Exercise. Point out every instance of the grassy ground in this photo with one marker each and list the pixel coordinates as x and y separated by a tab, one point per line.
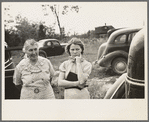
99	81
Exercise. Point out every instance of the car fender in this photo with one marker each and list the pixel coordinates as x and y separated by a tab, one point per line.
42	51
118	88
106	60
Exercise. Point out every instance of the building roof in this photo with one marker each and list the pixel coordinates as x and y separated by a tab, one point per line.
103	29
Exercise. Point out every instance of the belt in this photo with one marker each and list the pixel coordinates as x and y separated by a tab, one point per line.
76	87
36	90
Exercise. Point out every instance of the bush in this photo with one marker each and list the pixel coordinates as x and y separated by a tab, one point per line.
99	87
12	38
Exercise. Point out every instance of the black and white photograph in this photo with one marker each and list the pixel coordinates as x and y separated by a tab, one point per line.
74	61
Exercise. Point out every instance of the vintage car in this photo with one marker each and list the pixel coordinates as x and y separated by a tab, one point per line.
50	47
131	84
114	53
47	48
11	92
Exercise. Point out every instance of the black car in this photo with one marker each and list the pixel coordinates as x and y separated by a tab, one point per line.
50	47
114	53
11	92
131	84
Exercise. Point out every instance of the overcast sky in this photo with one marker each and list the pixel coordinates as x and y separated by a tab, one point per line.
91	14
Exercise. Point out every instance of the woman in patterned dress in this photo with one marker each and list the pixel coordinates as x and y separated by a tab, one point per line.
32	75
75	72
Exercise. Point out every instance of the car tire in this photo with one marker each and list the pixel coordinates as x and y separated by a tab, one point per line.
42	54
119	65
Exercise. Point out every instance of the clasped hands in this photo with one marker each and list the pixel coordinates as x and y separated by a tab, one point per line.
81	85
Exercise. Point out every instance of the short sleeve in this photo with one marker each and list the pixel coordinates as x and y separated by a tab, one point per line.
87	68
62	67
17	76
51	69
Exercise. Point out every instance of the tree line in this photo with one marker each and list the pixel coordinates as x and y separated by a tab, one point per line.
24	29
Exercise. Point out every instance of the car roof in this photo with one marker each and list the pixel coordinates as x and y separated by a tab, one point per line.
44	40
122	31
112	30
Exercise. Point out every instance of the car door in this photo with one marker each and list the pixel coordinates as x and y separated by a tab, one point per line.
49	49
119	43
57	47
122	42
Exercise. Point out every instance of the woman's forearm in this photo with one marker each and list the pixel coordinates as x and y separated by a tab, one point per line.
65	83
81	77
56	73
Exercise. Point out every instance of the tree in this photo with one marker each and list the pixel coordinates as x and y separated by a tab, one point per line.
27	30
50	32
65	10
12	38
41	32
7	16
88	33
21	29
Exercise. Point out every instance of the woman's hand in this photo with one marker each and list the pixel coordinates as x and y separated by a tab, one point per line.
56	73
81	86
78	59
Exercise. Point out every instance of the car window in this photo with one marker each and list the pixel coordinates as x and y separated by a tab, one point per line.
48	43
55	43
131	35
121	39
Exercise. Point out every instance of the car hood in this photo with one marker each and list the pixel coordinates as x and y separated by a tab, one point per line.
64	44
40	45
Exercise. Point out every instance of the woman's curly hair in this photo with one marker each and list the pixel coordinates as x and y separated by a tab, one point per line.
75	41
29	42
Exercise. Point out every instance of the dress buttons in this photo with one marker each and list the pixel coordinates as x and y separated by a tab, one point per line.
36	90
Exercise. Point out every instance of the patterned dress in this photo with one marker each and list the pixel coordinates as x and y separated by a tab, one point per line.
70	66
35	79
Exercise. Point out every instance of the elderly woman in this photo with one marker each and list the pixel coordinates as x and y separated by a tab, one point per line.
33	74
75	72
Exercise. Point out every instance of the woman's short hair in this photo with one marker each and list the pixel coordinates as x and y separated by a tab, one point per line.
75	41
29	42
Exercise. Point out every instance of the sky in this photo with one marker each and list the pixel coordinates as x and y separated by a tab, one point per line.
91	14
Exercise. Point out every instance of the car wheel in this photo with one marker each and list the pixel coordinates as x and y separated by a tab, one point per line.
119	65
42	54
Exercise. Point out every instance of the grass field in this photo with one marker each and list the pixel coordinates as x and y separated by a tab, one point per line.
99	81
